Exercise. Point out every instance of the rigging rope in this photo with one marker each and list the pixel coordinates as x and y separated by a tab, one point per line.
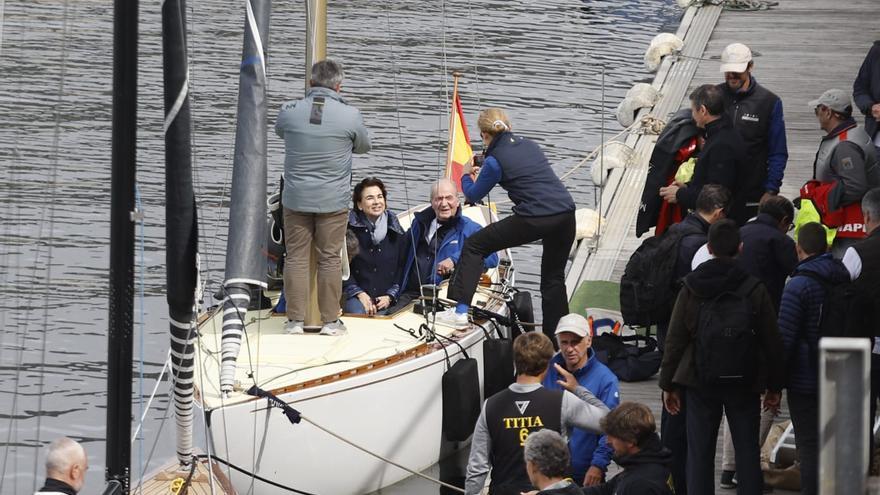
51	206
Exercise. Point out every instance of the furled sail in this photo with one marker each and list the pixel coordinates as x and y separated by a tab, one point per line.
181	224
247	210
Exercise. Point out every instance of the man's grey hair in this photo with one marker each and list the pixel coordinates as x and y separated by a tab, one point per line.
548	453
436	186
871	204
326	74
63	453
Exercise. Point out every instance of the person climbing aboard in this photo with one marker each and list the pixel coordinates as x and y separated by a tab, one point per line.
543	209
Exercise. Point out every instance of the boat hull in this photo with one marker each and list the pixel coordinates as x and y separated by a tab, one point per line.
394	412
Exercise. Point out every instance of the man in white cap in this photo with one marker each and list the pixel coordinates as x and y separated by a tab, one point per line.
66	466
590	452
756	113
845	166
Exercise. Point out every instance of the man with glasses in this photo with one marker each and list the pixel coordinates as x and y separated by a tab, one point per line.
590	452
756	114
845	169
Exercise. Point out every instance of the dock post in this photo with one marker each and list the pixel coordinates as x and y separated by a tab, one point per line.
844	388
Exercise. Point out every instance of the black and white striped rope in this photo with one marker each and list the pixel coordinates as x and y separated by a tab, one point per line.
183	370
235	306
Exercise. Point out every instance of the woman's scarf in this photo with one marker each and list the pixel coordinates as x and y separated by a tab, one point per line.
378	230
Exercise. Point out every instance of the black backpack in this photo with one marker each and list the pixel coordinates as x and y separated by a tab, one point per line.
626	358
838	309
726	343
648	287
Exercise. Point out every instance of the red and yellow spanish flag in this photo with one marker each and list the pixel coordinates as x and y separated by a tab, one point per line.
459	150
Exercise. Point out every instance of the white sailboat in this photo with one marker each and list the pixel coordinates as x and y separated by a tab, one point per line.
370	400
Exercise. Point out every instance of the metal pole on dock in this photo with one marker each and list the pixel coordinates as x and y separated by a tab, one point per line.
844	388
316	35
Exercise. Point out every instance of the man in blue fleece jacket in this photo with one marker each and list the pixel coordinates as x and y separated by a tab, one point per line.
590	452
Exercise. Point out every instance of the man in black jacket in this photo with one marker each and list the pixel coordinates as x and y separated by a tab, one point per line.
866	93
722	159
711	205
66	466
722	347
630	429
547	460
768	252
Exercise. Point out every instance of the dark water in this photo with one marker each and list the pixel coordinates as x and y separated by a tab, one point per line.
540	60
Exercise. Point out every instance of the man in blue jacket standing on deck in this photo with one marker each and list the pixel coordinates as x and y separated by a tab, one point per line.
756	114
590	452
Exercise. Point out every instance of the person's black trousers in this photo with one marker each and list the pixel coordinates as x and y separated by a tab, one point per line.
557	233
804	409
743	410
673	436
872	411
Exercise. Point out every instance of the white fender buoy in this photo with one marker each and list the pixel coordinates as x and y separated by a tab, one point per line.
663	44
642	95
616	155
587	223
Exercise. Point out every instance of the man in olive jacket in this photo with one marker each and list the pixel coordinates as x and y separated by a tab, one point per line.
708	292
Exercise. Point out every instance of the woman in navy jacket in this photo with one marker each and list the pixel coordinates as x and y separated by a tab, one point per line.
542	209
372	285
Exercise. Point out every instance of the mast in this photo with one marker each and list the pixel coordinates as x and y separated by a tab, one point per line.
316	35
122	218
245	267
181	223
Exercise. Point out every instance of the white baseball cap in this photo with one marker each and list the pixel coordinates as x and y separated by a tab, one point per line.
735	58
573	323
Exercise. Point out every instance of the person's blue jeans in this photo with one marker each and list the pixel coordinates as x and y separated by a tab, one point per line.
353	306
743	410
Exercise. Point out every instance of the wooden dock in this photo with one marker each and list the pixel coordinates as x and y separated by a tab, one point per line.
800	48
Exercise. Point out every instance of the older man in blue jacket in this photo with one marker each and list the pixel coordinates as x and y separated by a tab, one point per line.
590	452
432	246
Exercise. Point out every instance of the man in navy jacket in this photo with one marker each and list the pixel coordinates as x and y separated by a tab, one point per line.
590	452
799	315
866	93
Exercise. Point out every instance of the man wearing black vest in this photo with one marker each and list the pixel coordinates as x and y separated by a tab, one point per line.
756	114
863	263
509	416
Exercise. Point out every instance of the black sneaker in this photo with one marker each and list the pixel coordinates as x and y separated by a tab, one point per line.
727	479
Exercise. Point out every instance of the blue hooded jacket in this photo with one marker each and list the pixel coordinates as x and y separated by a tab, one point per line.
588	449
799	320
450	246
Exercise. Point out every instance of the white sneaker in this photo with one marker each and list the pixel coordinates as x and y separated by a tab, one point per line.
333	328
450	318
293	327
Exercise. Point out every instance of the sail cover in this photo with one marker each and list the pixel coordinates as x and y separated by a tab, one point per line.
181	225
246	244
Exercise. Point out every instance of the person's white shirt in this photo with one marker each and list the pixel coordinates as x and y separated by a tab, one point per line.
701	256
853	263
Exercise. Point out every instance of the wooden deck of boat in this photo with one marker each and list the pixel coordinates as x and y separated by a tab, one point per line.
168	480
801	48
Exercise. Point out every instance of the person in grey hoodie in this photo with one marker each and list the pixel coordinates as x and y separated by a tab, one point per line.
320	132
